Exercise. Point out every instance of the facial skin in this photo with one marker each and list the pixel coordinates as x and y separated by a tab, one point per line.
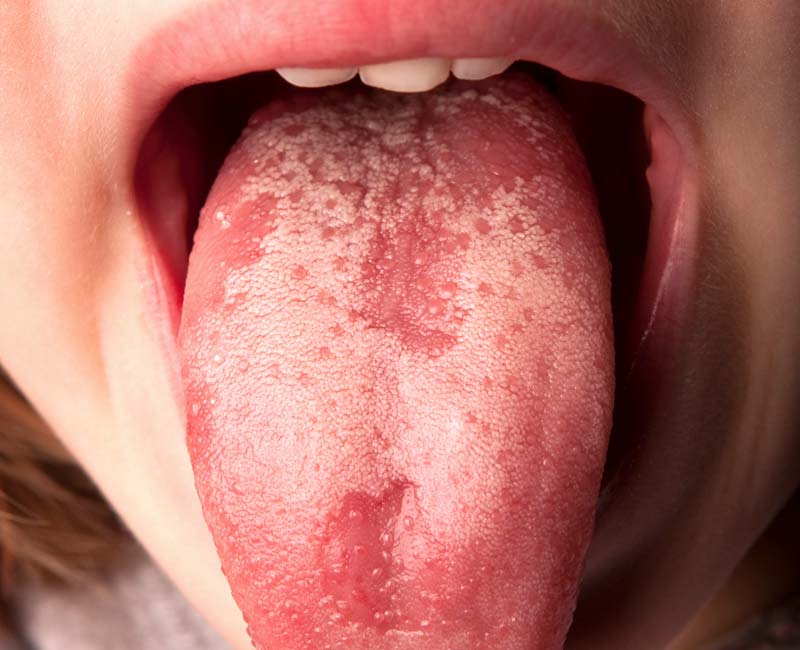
77	337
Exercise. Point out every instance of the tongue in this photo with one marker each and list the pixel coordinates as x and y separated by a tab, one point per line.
398	369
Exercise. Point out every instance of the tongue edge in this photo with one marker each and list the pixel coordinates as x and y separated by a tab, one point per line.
224	432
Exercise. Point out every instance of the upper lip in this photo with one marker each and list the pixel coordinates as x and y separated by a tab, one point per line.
226	38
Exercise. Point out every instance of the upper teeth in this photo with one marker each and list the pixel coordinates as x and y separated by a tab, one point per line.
308	78
412	75
480	68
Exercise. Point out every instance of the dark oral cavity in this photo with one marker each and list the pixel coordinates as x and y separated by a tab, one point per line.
398	367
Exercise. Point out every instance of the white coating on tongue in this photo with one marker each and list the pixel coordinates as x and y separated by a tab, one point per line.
363	205
397	357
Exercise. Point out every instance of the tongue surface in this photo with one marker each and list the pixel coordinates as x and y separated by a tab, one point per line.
398	369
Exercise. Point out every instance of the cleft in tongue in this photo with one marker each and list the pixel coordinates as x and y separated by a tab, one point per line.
397	357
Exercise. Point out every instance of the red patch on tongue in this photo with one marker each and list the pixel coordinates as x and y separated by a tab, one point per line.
397	357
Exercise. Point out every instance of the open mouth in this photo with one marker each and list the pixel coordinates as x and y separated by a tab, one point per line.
638	174
183	152
192	136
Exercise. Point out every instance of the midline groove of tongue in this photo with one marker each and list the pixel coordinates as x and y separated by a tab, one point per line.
398	368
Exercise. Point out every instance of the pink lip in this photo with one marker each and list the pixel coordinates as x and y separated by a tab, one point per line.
222	39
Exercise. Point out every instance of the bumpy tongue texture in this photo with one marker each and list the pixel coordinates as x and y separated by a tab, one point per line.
398	369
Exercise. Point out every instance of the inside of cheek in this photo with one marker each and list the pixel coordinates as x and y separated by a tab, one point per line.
185	148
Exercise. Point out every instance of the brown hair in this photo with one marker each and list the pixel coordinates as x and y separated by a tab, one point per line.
54	524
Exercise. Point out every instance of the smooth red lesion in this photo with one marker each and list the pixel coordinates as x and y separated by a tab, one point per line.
360	569
294	129
516	225
482	226
447	290
463	240
485	289
326	298
348	188
409	284
435	306
299	272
